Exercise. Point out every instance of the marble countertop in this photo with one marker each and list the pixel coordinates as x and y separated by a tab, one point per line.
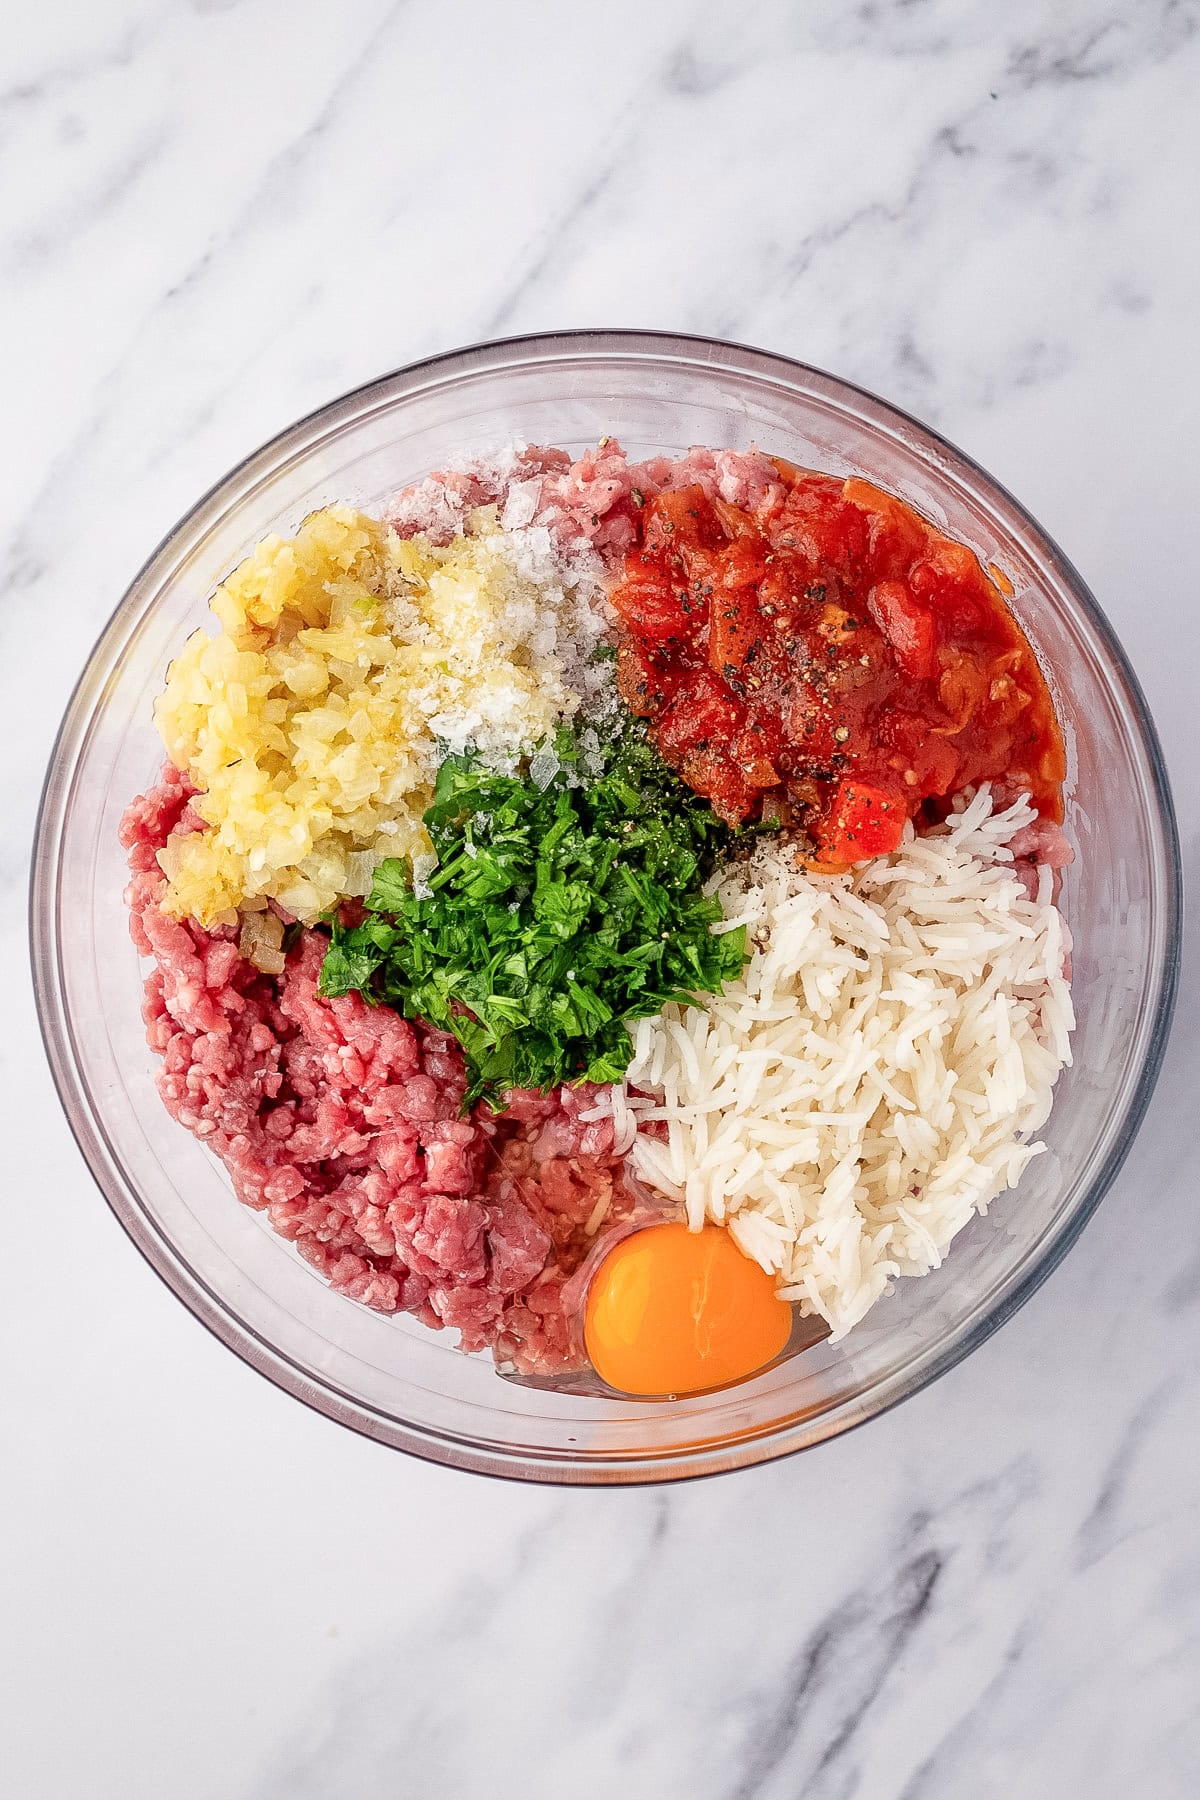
215	216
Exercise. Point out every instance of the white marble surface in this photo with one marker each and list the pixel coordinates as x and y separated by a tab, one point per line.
213	217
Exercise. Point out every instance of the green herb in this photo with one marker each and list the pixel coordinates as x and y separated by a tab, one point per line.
561	907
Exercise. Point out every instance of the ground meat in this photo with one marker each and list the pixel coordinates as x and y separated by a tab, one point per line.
343	1124
1042	845
594	500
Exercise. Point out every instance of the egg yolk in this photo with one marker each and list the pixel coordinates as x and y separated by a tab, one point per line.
673	1311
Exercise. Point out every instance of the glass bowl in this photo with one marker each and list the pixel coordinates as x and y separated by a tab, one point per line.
393	1379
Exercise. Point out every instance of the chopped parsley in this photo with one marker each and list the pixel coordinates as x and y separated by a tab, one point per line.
561	907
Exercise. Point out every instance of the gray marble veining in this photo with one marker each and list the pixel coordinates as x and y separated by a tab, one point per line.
214	216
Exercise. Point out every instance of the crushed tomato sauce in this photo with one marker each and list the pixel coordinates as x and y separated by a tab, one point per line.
832	660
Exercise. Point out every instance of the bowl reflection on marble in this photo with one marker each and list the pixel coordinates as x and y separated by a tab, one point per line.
391	1378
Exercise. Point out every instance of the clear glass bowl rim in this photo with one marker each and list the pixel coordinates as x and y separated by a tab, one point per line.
56	1027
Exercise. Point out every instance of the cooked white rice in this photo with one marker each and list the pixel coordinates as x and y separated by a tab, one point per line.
876	1076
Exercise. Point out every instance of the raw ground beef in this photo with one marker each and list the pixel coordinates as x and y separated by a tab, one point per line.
1042	845
342	1123
594	500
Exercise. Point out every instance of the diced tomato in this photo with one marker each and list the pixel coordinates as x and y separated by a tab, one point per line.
962	689
711	773
735	523
936	767
753	743
810	487
862	821
953	562
949	580
734	627
639	682
682	516
811	726
903	731
897	534
779	594
760	772
749	751
700	715
1006	698
908	627
842	653
735	564
921	759
835	624
818	524
651	607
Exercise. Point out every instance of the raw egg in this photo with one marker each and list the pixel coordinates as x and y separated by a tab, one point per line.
673	1311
